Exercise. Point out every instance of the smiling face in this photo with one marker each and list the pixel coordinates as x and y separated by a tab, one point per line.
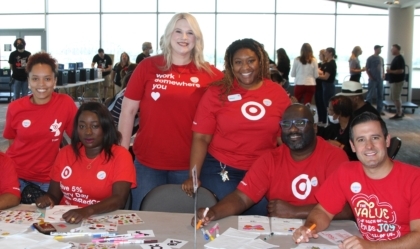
246	68
182	38
298	138
42	81
89	130
370	144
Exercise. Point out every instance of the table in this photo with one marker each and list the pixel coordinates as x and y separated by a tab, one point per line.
177	226
86	85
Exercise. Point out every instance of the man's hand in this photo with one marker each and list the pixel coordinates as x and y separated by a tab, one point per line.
282	209
355	242
302	234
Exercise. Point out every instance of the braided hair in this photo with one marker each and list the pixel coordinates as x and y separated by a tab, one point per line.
226	83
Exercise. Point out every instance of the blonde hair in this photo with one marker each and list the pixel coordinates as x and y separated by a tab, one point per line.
197	52
355	53
322	52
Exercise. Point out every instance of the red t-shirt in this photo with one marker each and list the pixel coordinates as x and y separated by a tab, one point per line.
278	176
244	125
84	187
37	131
383	208
9	181
168	101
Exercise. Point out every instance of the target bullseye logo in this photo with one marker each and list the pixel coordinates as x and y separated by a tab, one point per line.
301	186
253	110
66	173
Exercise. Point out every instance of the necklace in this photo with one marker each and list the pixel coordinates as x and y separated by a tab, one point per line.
89	166
179	73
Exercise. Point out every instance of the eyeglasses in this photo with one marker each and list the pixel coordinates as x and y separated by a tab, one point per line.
299	123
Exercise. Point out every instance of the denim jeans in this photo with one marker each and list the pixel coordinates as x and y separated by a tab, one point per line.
328	91
20	89
148	178
210	178
376	87
44	186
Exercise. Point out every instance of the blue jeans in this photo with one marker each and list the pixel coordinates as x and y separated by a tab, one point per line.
148	178
376	86
20	87
42	185
210	178
328	91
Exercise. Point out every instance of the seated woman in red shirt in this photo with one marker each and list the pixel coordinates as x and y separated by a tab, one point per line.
236	121
9	186
94	172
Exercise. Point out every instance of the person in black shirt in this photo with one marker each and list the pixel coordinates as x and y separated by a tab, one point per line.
354	91
147	50
283	66
17	61
105	65
328	73
396	79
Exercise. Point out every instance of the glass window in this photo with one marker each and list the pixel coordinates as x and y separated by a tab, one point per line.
417	12
348	8
187	6
305	6
416	53
117	38
292	37
262	6
348	37
22	21
129	6
74	6
206	22
81	33
249	26
22	6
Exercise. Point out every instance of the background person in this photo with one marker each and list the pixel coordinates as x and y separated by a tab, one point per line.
147	51
319	91
305	71
396	80
375	71
354	64
227	135
283	66
116	71
166	88
9	184
104	63
93	166
33	141
327	75
18	60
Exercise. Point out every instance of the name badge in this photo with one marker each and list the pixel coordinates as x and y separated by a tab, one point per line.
234	97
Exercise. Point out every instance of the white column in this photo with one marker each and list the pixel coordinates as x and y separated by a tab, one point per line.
401	29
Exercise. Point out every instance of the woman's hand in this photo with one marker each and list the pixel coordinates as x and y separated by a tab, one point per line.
45	201
188	186
75	216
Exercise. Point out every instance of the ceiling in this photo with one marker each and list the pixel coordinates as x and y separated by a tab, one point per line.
381	4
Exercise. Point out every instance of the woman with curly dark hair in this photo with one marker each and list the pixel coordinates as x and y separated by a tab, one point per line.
35	124
237	120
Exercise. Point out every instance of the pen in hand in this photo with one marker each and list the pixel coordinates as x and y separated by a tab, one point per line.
202	219
307	232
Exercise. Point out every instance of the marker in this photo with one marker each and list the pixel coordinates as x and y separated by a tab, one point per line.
206	237
307	231
213	229
110	240
217	232
268	236
99	234
201	221
123	236
209	234
117	238
140	241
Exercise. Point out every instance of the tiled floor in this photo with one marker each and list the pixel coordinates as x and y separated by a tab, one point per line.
408	129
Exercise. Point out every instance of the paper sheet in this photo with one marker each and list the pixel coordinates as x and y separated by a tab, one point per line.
314	246
254	223
11	229
234	239
281	226
93	246
19	217
175	243
145	233
155	245
335	236
32	240
54	215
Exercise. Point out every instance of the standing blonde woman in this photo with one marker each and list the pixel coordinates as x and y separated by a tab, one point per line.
167	89
116	71
305	71
354	64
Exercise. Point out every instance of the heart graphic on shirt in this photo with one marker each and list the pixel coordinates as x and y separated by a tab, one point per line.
155	95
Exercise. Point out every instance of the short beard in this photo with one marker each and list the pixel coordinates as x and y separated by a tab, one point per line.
307	139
